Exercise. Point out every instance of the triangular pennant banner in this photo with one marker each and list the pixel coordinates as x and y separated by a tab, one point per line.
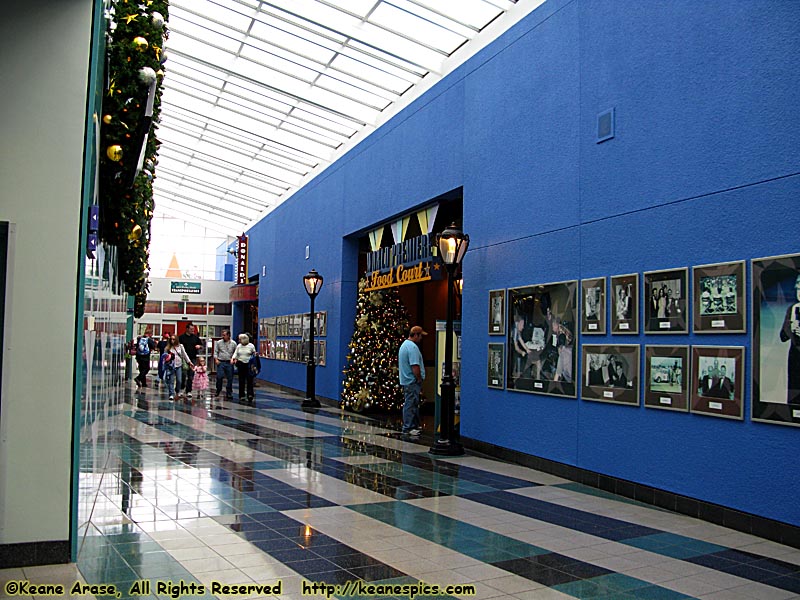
375	238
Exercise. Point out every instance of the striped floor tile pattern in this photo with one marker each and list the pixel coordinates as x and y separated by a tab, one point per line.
218	492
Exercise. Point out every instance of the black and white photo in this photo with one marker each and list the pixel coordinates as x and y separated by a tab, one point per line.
497	312
665	301
776	340
717	373
496	365
719	300
593	317
625	304
542	339
611	373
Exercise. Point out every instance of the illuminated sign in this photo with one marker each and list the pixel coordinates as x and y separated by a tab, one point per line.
411	251
401	275
241	259
410	261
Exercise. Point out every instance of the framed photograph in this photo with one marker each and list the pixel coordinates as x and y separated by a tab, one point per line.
321	347
776	340
666	377
496	366
497	312
297	325
719	300
611	373
718	381
321	324
665	304
593	300
625	304
542	339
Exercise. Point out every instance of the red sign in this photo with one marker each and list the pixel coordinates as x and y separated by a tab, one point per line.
241	259
243	293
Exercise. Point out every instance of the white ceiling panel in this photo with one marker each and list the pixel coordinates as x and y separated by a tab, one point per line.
260	95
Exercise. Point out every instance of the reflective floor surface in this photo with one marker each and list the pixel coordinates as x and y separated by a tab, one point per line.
218	494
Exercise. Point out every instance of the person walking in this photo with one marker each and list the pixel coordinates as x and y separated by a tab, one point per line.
161	347
144	345
223	353
243	355
412	374
173	365
200	378
192	344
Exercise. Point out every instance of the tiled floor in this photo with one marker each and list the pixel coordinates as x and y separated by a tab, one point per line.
243	495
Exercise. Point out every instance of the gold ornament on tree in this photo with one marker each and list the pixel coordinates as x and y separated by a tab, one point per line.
114	152
363	322
107	119
135	233
140	43
376	299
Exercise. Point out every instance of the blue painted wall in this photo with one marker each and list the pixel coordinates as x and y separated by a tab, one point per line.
704	168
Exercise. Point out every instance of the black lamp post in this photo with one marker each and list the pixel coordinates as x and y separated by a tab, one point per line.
452	243
313	284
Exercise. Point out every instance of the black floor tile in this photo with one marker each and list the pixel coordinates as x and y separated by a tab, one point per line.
376	572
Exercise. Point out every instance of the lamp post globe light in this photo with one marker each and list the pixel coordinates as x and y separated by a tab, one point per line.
452	244
313	284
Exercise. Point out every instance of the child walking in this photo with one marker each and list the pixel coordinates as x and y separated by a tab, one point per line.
201	377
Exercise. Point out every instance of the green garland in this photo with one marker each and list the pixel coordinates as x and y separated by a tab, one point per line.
135	53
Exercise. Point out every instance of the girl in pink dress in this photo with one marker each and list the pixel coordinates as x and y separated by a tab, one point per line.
200	382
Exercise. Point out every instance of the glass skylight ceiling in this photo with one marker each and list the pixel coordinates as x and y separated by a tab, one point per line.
260	96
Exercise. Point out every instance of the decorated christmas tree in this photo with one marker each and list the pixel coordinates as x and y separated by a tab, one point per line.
128	152
372	379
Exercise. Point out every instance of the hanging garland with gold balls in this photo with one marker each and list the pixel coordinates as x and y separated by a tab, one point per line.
372	379
135	59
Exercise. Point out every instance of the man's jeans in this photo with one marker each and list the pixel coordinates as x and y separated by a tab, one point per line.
188	377
411	406
225	370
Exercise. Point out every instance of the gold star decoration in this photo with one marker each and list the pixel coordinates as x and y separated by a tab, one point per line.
157	50
112	88
130	18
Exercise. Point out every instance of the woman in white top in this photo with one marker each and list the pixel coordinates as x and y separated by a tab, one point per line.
173	366
242	355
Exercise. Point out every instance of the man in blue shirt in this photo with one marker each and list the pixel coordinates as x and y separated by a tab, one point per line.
412	374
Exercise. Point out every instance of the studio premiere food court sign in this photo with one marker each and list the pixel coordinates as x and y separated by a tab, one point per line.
407	262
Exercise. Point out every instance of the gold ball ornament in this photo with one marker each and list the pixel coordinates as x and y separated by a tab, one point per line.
107	119
135	233
140	43
114	152
159	73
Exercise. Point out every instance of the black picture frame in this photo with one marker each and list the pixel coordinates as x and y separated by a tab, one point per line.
775	340
497	312
495	369
718	381
611	373
624	301
667	373
321	323
719	301
593	302
666	301
542	339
